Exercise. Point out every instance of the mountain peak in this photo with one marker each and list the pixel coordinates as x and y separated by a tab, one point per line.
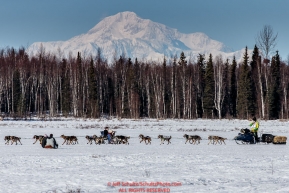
117	21
125	15
126	33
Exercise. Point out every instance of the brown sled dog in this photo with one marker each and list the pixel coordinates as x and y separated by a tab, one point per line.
69	139
165	138
15	139
146	139
7	139
89	139
221	140
193	139
212	139
38	138
122	139
216	139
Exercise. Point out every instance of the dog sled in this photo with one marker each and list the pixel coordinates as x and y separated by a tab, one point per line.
105	138
246	137
115	139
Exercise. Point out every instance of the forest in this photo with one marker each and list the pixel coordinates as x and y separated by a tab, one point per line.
47	85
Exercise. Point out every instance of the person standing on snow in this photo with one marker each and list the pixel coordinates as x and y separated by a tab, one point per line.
254	128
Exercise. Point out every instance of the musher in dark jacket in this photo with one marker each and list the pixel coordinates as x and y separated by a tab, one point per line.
49	142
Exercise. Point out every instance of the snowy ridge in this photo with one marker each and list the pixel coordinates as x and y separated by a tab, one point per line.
126	33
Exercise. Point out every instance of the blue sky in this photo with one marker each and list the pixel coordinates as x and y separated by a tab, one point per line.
233	22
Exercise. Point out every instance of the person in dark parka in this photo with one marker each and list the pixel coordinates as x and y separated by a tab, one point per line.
49	142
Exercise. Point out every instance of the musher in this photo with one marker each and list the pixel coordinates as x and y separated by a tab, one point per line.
254	128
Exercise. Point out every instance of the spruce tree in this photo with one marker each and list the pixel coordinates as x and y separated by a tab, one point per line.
79	83
92	92
182	61
136	89
254	80
17	96
200	85
182	84
233	89
65	100
136	71
129	83
275	88
166	89
244	90
209	90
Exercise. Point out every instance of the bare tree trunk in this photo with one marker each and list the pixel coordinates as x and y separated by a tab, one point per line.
184	91
51	86
85	90
1	88
157	87
284	79
266	86
219	86
285	101
123	85
147	86
8	95
74	90
261	88
173	89
190	99
130	97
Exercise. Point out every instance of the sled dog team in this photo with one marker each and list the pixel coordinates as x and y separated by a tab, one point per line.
195	139
120	139
68	139
12	139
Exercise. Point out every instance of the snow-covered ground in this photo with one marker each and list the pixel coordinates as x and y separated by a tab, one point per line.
177	167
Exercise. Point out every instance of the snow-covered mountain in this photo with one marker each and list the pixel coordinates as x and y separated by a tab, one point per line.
126	33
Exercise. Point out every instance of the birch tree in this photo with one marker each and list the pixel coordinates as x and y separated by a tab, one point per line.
220	84
266	40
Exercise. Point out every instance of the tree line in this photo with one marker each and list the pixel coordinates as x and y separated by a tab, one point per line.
213	88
